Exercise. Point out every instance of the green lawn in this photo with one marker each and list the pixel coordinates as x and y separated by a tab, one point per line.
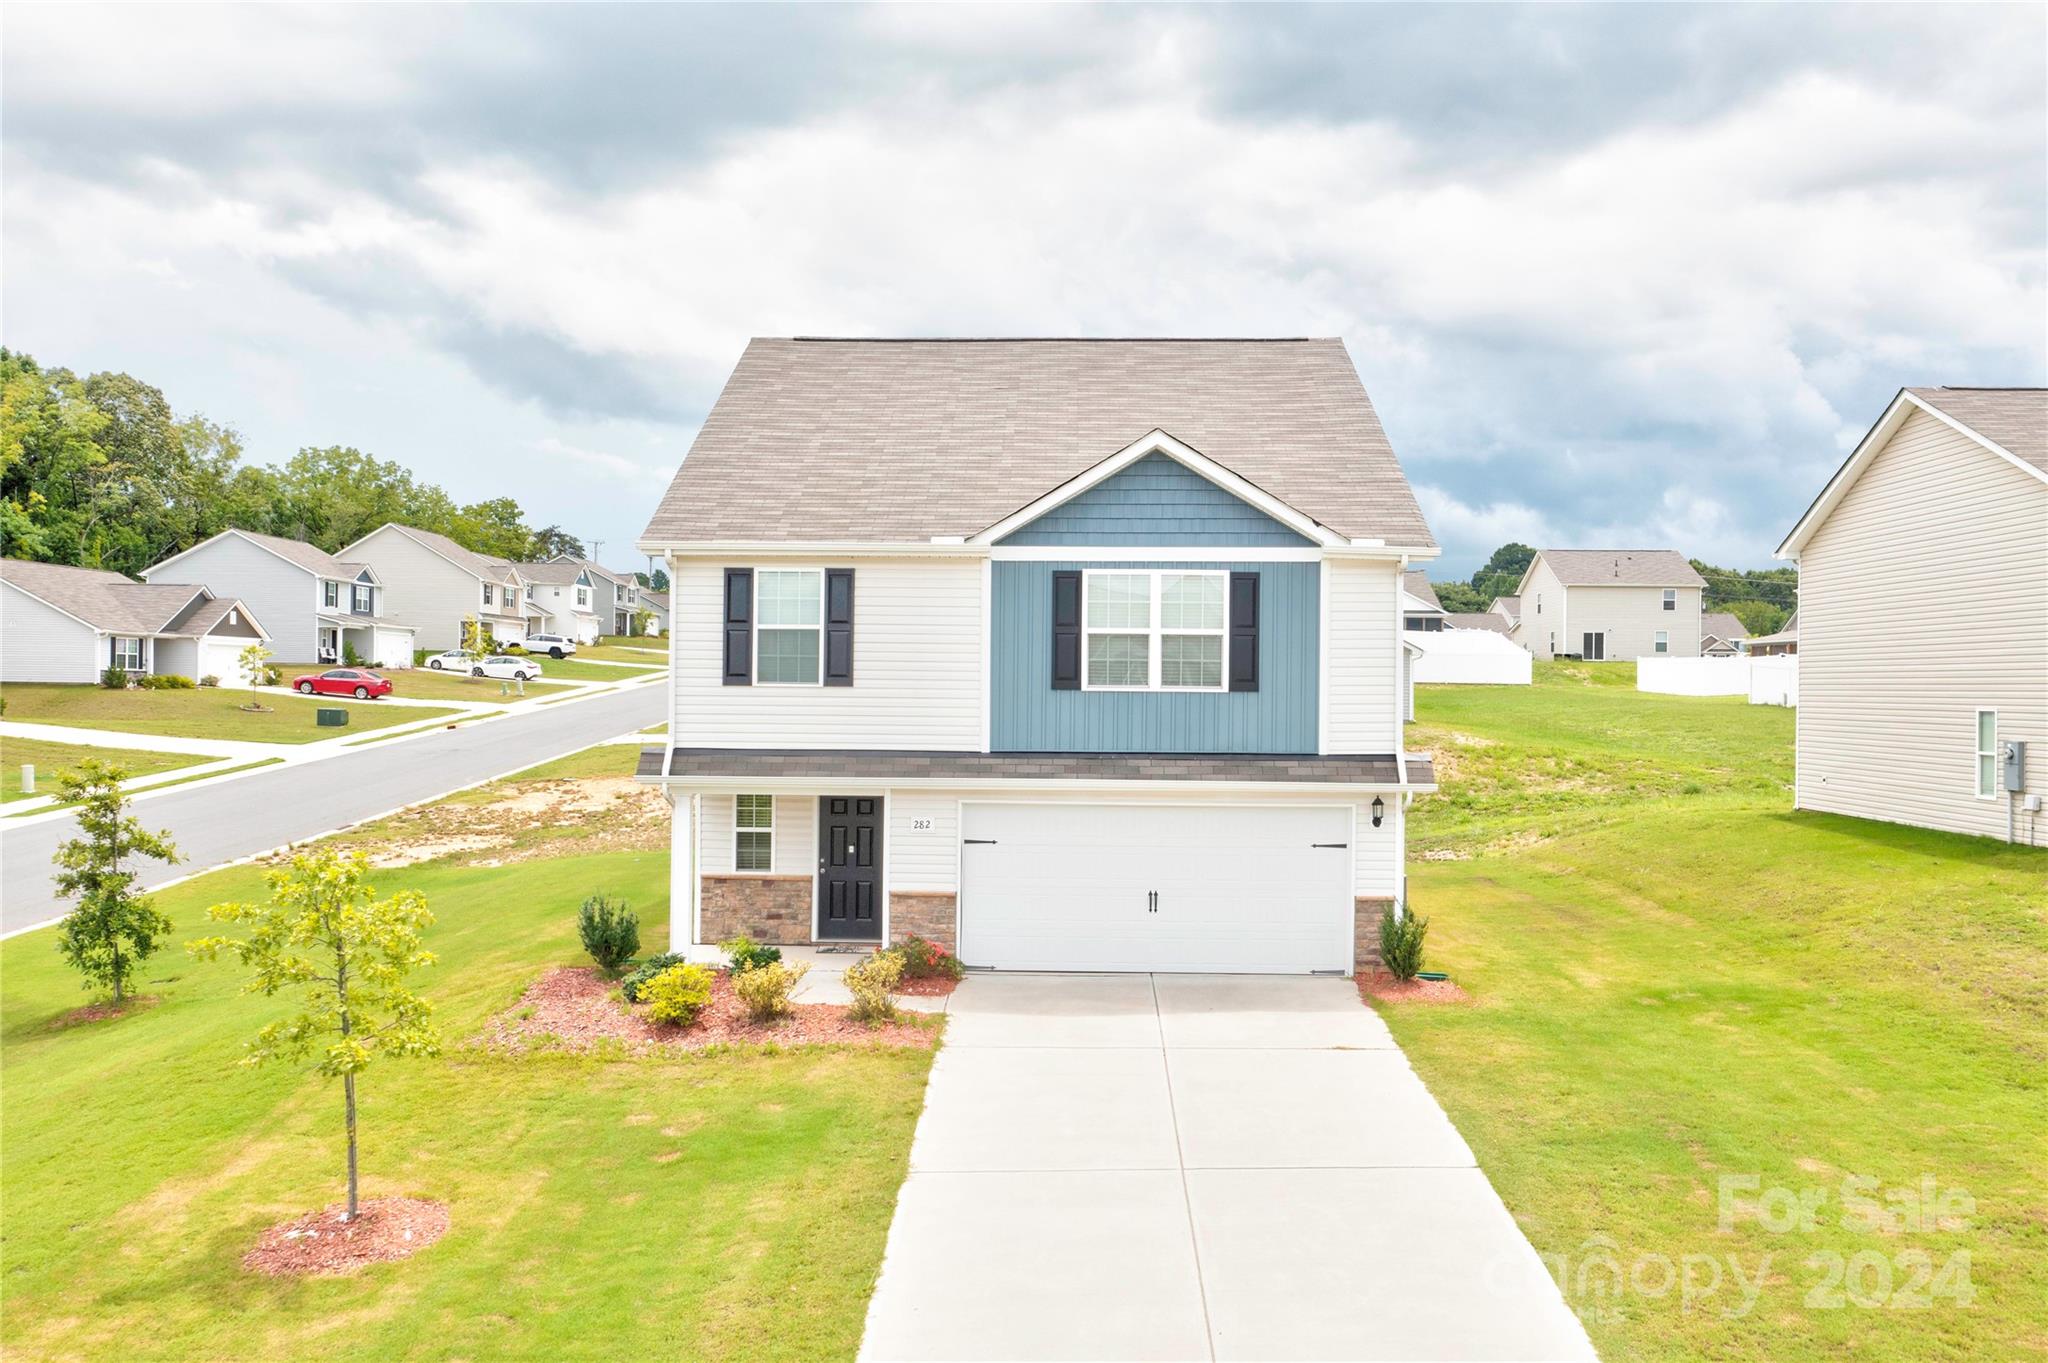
203	712
53	759
726	1206
1677	979
607	759
576	669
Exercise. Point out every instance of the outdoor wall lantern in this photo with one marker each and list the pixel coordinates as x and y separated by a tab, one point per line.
1379	810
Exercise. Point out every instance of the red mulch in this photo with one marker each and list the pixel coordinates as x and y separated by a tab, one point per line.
1380	985
100	1012
578	1009
321	1243
931	987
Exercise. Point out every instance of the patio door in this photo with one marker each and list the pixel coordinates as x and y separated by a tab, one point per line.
1594	648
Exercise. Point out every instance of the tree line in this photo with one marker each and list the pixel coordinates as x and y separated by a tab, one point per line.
100	472
1761	598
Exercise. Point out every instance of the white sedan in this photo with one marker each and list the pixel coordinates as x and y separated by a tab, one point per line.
454	660
504	667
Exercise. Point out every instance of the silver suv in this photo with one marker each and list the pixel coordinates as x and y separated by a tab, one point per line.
554	645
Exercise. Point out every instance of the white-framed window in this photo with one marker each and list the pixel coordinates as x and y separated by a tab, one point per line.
511	598
127	654
330	594
789	631
1670	598
1539	603
1663	641
1987	754
583	598
490	594
1153	631
362	598
753	832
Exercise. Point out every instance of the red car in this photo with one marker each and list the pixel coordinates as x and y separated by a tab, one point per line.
344	681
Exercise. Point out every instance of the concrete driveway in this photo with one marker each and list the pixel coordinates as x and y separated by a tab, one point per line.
1196	1167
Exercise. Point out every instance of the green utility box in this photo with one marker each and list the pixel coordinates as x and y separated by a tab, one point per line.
333	719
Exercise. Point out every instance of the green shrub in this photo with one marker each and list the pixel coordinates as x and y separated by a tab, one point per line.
611	932
746	954
114	679
164	681
516	650
209	680
349	656
765	988
677	995
419	657
926	960
636	979
873	985
1401	943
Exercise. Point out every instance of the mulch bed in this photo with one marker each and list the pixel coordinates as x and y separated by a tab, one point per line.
931	987
1380	985
100	1012
575	1008
322	1243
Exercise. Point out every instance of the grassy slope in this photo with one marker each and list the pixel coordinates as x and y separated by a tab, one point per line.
722	1207
1677	978
52	759
203	712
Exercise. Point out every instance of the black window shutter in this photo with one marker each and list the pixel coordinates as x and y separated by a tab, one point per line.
1066	631
739	626
839	627
1244	631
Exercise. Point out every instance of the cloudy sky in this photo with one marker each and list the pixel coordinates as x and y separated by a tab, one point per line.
1613	276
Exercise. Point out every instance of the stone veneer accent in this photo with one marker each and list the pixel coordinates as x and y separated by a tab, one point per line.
930	916
1366	917
774	910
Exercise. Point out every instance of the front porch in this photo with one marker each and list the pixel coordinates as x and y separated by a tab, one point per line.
376	643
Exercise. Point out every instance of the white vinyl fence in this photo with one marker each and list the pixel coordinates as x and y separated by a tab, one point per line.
1774	680
1469	657
1763	681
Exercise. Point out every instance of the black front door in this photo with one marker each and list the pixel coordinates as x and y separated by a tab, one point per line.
850	868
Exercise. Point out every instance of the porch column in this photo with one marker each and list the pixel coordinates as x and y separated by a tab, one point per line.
682	870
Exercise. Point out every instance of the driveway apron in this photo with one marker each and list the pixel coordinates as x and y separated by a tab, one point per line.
1196	1167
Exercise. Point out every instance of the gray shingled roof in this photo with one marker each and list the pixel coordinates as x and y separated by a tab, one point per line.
1622	568
900	441
2016	418
792	764
1477	620
1723	626
553	573
1416	584
103	600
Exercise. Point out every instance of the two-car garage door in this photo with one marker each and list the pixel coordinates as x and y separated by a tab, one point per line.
1242	889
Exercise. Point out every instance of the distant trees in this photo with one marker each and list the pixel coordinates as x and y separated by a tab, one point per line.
553	541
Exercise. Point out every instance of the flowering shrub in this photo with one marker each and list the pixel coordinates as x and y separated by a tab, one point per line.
925	960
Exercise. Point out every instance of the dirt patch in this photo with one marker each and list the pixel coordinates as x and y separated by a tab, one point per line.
102	1012
521	821
323	1244
1380	985
574	1008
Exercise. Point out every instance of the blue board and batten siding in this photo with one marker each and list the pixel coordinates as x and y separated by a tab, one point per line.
1156	501
1027	715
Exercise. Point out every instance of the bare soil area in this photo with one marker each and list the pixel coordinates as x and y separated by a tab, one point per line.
523	821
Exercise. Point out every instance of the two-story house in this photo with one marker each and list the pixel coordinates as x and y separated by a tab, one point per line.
615	593
318	607
1076	655
567	595
433	585
1600	604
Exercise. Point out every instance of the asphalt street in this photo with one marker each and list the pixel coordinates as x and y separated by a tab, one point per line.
265	809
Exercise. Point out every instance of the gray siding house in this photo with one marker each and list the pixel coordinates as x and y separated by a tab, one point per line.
433	584
318	607
62	624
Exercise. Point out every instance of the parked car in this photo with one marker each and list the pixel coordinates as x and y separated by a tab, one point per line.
554	645
454	660
343	681
505	667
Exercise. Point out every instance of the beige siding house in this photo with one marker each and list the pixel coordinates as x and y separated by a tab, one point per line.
1603	604
1923	617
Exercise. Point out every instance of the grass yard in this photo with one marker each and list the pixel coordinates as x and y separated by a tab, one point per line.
576	669
1677	979
607	759
724	1206
53	759
202	712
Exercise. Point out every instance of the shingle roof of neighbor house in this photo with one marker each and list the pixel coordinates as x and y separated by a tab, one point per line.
1722	626
1477	620
1416	584
553	573
486	566
1622	568
2016	418
900	441
1512	604
105	600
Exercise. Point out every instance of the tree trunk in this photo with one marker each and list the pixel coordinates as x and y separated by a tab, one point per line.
348	1088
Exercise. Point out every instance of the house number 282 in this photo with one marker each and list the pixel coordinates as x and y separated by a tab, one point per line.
920	825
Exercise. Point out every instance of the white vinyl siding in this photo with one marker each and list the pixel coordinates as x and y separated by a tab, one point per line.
39	643
1631	618
1362	676
1923	598
916	676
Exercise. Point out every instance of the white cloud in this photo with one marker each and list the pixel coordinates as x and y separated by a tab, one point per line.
602	462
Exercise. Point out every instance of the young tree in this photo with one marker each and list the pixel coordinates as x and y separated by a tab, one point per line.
113	929
325	932
255	663
476	638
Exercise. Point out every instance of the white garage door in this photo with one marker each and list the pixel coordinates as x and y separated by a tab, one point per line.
1257	889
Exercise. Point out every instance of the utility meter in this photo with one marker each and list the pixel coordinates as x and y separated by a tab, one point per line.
2014	754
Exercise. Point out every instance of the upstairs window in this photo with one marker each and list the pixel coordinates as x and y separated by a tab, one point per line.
1160	631
490	595
1670	599
753	832
363	602
1987	754
330	594
582	598
790	625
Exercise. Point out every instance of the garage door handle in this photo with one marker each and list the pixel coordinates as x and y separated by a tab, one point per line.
1329	844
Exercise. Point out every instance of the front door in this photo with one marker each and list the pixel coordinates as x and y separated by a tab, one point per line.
1595	649
850	868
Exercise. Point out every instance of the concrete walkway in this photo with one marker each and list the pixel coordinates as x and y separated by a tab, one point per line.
1196	1167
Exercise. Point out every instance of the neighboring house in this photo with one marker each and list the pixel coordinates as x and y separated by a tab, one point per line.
655	604
1508	608
1609	603
432	584
318	607
60	624
1486	620
1721	635
1419	607
1923	618
1786	640
614	594
1091	658
568	594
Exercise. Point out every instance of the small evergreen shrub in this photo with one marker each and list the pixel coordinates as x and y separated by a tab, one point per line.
677	995
765	988
747	954
1401	943
873	985
163	681
636	979
349	656
610	931
926	960
114	679
419	657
